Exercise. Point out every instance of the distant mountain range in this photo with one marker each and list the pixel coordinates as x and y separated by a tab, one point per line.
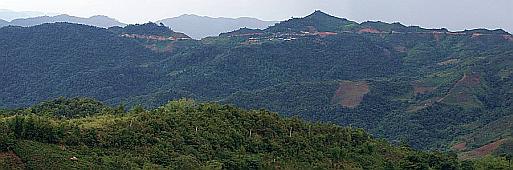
32	18
201	26
9	15
99	21
194	26
429	88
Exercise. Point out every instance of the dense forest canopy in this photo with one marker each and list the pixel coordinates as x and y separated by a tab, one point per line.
429	88
148	29
185	134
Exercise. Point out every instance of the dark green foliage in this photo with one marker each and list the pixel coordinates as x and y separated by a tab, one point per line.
184	134
485	31
70	60
295	77
243	32
147	29
314	93
317	21
397	27
72	108
7	138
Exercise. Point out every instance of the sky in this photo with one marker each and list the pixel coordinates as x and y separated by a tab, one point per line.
451	14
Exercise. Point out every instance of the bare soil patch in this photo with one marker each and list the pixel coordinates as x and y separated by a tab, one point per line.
350	94
469	80
369	30
487	149
10	160
460	146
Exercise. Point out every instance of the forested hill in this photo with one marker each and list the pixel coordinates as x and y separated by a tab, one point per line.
148	29
430	88
319	22
84	134
65	59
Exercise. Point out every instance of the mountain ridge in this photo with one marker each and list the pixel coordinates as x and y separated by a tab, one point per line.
10	15
193	25
186	22
97	20
337	24
422	86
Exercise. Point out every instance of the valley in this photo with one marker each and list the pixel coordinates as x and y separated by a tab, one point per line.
406	92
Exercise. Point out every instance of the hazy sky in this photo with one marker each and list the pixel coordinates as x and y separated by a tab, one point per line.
453	14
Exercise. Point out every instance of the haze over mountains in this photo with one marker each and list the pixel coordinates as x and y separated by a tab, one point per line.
202	26
9	15
99	21
195	26
432	89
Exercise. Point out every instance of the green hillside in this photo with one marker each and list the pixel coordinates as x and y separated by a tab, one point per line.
184	134
429	88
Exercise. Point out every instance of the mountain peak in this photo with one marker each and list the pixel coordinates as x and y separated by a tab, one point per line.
318	13
315	22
